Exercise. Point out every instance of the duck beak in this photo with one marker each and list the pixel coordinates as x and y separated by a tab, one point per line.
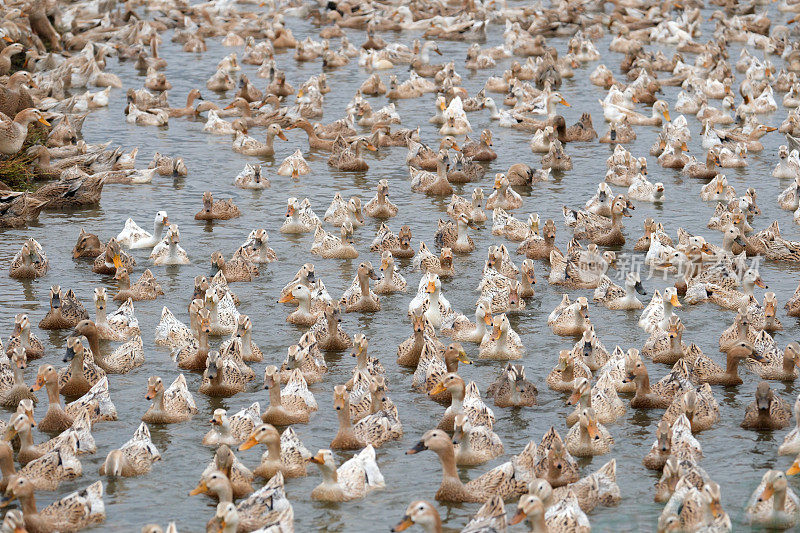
431	288
151	393
674	301
564	102
418	447
496	332
574	397
371	147
769	490
281	136
406	522
39	383
462	357
287	298
317	459
794	469
518	517
666	116
487	318
760	283
640	289
438	389
199	489
229	106
591	428
8	39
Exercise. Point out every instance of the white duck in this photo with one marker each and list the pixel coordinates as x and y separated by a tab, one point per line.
134	237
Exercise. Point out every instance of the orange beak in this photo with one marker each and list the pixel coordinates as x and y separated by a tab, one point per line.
287	298
151	393
760	283
199	489
487	318
249	443
591	428
404	524
281	136
438	389
564	102
371	147
431	288
518	517
39	383
496	332
794	469
43	121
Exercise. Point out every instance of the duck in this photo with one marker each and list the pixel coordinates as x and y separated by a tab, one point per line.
56	419
474	445
480	150
134	458
251	178
454	236
380	206
498	481
294	165
266	506
352	480
349	158
511	389
537	246
172	405
645	397
503	195
462	329
300	218
430	182
391	280
659	311
285	453
81	374
359	297
791	442
777	368
705	370
643	190
399	245
65	310
327	245
328	332
145	288
246	145
13	132
293	405
767	412
442	266
73	512
88	245
461	402
588	437
134	237
222	377
503	343
219	210
568	318
340	211
782	511
667	346
613	296
48	471
15	390
234	429
168	251
30	262
22	336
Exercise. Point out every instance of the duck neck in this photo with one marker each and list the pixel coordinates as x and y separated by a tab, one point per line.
538	524
463	238
52	393
94	343
457	401
158	402
76	364
100	315
268	143
643	385
568	374
345	426
447	457
7	464
363	283
275	395
158	229
788	364
273	449
732	367
225	492
779	500
28	503
202	341
502	340
247	347
26	440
